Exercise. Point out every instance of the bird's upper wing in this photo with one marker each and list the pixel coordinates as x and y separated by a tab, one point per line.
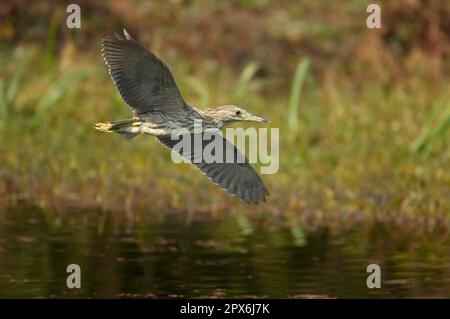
237	178
143	80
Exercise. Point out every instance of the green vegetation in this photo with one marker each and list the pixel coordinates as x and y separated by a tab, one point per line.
360	140
294	101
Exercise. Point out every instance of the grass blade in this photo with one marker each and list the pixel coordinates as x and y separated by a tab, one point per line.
15	81
245	80
430	133
3	102
56	91
295	95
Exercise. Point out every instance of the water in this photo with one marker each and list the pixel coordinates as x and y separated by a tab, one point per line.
164	256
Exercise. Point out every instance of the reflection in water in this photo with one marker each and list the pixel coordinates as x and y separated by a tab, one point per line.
166	257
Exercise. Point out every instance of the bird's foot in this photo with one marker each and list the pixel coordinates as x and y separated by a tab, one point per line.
104	127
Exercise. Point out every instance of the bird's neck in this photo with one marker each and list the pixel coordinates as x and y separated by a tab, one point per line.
214	116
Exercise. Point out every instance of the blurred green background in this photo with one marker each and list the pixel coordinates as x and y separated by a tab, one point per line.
364	114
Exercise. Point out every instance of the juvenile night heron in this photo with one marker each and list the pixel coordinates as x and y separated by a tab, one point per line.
148	88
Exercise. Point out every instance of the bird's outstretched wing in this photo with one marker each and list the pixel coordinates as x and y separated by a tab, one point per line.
144	81
237	178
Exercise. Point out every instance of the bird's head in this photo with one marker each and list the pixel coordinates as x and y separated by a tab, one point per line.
227	114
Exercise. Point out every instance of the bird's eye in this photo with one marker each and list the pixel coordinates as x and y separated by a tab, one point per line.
238	113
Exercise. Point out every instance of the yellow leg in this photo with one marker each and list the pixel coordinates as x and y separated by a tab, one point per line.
104	127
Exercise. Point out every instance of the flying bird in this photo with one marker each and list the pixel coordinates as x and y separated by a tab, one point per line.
147	86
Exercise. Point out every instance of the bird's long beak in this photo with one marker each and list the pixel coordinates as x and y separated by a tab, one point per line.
254	118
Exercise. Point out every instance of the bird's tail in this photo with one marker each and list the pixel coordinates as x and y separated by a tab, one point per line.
127	128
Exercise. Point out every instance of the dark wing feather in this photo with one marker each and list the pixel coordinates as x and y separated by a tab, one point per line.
144	81
237	178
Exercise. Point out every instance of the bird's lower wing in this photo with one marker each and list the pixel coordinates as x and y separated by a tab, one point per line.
238	177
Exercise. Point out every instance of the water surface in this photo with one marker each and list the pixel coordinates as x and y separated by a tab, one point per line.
229	257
